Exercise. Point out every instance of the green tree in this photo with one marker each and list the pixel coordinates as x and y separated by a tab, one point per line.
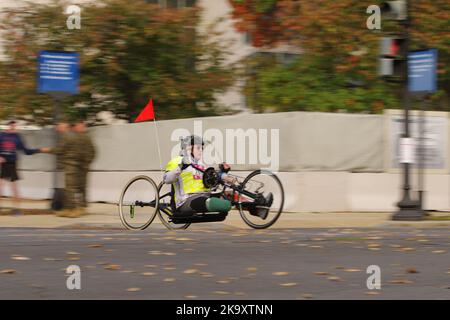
339	52
130	51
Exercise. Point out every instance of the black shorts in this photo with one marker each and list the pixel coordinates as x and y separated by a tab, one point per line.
9	171
193	204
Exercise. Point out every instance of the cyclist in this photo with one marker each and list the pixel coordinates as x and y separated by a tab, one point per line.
190	193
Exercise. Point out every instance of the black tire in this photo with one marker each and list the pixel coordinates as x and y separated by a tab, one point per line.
164	211
129	199
276	208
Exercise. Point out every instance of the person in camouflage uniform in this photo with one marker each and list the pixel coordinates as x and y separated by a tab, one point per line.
67	152
86	155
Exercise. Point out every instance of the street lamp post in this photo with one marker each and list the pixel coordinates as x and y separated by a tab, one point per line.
409	209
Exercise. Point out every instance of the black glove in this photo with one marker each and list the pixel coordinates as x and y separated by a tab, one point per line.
222	169
185	162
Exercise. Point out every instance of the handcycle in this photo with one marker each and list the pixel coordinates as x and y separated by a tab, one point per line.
141	200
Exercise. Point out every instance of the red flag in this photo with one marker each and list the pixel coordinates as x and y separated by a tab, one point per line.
147	113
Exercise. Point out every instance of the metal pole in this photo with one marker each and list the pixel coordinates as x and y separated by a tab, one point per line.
55	139
408	209
421	166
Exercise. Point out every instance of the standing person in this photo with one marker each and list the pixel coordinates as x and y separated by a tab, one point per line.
63	129
86	156
68	151
10	143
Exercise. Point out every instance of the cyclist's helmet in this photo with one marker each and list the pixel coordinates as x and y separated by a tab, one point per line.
191	141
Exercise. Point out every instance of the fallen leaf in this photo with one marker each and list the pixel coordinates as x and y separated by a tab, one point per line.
170	268
223	281
151	266
184	239
72	253
73	258
190	271
133	289
169	279
334	278
112	267
148	273
411	270
52	259
7	271
20	258
169	253
307	296
252	269
95	246
190	296
321	273
373	245
289	284
221	292
400	281
206	275
372	293
280	273
439	251
352	270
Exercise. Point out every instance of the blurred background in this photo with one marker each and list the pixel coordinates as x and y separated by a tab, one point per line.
210	57
283	60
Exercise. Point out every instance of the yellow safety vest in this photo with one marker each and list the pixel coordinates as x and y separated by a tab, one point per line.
189	181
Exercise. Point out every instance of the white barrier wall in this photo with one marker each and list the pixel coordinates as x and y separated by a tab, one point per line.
327	162
305	191
304	141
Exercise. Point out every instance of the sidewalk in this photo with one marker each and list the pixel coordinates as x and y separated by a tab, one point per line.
106	216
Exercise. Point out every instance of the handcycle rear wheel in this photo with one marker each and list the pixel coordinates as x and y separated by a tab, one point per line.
165	210
262	182
138	203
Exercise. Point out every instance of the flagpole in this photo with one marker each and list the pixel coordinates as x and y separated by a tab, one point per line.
157	142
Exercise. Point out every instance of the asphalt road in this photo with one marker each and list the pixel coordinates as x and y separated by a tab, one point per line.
213	261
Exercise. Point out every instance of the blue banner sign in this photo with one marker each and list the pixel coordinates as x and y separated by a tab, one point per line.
422	67
58	72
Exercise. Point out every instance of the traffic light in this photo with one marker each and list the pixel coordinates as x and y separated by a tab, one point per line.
393	58
394	10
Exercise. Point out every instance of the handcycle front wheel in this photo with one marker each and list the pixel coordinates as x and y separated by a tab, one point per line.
164	209
261	183
138	203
